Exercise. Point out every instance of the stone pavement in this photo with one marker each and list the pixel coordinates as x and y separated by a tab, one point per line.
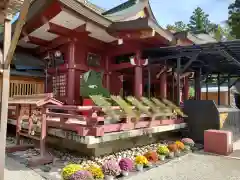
17	171
194	167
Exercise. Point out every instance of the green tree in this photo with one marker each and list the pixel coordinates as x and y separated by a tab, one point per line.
221	33
1	28
178	26
234	18
191	92
199	22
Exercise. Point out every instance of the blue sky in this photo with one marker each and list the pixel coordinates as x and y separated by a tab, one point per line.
170	11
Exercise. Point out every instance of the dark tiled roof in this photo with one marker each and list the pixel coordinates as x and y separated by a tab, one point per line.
27	60
120	7
39	74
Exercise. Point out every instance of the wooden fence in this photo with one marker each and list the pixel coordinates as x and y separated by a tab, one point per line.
25	86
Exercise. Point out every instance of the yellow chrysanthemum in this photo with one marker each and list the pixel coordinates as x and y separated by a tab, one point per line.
96	172
141	160
180	145
70	169
163	150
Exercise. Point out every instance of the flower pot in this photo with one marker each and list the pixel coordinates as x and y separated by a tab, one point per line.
107	177
148	165
171	155
177	153
139	167
125	173
187	149
162	157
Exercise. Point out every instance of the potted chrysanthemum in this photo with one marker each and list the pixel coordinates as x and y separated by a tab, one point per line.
180	147
96	172
81	175
126	165
151	156
173	150
69	170
140	162
188	142
162	151
111	169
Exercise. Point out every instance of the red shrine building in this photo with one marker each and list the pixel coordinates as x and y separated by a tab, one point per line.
88	37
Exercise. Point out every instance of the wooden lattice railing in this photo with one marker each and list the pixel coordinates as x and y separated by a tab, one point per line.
25	86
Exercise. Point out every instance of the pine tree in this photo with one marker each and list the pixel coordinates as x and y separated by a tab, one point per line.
178	26
199	22
234	18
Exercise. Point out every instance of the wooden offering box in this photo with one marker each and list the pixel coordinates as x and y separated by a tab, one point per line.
31	116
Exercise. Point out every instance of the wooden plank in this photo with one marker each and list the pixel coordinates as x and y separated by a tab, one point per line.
17	33
4	97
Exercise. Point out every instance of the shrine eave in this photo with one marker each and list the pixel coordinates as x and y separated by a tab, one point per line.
142	24
78	7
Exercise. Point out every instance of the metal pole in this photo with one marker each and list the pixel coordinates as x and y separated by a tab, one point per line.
206	88
218	81
196	85
229	100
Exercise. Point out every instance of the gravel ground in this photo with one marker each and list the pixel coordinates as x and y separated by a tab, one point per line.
189	167
17	171
195	167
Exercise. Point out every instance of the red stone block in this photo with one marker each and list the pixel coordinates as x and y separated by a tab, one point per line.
218	142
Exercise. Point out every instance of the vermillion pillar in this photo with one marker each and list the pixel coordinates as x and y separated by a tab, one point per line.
163	85
138	76
107	67
186	88
71	73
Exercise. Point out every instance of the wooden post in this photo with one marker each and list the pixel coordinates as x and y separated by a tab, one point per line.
19	113
138	74
108	74
4	96
197	84
186	88
178	81
163	85
149	82
71	73
173	85
17	33
43	132
9	49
